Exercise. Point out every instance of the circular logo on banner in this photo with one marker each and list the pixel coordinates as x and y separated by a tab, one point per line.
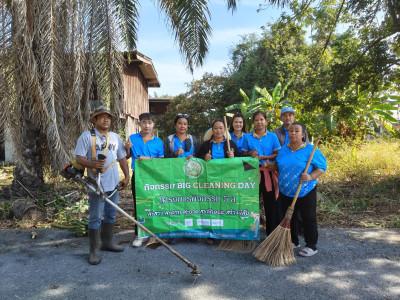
193	168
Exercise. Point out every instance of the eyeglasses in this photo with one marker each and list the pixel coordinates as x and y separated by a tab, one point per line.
186	116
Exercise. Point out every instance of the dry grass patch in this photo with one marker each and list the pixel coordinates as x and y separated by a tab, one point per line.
361	186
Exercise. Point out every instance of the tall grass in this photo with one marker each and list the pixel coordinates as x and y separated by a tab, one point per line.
361	176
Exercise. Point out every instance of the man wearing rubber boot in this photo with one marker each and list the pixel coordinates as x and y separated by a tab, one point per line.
98	150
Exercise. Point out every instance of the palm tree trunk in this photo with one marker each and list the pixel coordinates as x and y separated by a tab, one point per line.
30	177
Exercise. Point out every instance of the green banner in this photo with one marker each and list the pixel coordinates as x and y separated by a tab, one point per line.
177	197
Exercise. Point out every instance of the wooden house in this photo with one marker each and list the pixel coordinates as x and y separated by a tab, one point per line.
138	76
159	106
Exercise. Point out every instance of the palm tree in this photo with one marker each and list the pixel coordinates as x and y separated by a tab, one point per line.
53	51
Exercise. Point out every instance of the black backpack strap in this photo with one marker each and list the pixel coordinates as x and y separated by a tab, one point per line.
188	143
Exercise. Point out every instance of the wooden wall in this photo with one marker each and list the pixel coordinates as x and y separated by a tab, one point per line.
136	96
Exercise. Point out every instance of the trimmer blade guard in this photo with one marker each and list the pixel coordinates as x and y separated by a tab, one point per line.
70	172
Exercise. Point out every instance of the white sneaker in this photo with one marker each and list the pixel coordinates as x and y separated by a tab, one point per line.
295	246
307	252
137	242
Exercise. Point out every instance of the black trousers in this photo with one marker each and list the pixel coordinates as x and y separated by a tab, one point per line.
270	205
133	188
307	207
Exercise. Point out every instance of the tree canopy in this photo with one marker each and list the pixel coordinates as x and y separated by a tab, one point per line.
340	57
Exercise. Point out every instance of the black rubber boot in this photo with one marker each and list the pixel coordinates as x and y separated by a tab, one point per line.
107	233
94	257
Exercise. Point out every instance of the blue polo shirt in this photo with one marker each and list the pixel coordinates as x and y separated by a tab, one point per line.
178	143
266	145
238	141
291	166
153	148
287	136
218	150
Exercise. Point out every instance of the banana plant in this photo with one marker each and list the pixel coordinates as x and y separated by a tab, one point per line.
375	111
262	100
368	114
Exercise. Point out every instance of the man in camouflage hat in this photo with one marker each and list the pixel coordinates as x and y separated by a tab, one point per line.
100	140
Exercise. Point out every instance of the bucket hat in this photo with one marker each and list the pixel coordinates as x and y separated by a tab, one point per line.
102	110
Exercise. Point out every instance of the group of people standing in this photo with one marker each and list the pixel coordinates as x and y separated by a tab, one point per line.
282	155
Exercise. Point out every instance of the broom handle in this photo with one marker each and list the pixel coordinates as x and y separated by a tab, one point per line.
104	197
227	135
305	171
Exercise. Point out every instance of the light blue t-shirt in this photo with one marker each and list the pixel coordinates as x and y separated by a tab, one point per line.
291	166
238	141
152	148
116	151
266	145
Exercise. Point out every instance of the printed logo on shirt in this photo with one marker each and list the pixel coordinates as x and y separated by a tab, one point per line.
111	147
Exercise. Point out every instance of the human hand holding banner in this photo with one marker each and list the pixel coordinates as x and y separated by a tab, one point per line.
194	198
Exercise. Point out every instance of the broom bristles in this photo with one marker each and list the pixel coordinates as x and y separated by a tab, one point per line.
153	244
277	249
237	246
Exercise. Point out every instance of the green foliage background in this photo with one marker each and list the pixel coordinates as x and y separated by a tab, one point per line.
340	59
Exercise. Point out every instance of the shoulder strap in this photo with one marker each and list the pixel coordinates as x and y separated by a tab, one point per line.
93	134
112	165
171	142
188	143
108	140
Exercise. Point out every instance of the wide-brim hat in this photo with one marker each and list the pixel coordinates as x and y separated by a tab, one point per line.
102	110
209	133
287	109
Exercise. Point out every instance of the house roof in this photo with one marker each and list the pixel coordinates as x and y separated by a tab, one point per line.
146	67
160	100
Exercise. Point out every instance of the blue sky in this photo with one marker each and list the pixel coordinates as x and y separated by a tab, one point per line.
157	42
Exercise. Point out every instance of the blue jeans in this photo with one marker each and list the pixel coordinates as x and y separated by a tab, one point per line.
99	208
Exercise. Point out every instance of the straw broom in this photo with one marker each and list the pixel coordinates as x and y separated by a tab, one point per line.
238	246
277	249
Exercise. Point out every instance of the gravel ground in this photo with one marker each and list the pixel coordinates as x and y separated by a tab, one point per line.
351	264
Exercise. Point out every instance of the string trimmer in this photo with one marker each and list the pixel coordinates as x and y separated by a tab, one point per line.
75	172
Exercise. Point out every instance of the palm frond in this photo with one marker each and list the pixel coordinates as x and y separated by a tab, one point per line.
279	3
107	57
231	5
127	17
189	20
